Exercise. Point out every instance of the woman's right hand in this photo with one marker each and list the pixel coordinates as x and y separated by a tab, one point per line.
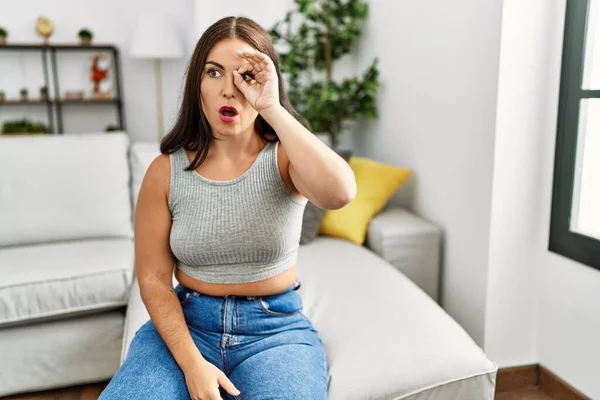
203	380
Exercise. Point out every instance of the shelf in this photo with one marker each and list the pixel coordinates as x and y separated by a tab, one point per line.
57	46
23	103
55	107
88	101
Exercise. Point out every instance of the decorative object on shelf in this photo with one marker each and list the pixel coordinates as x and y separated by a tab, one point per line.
2	96
111	128
44	28
85	37
74	95
23	126
44	93
156	37
3	36
24	94
98	73
327	30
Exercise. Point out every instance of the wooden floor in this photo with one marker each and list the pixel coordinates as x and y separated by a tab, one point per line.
91	392
84	392
523	394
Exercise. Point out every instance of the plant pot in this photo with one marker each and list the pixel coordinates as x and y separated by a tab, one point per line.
2	98
43	97
24	97
2	40
85	41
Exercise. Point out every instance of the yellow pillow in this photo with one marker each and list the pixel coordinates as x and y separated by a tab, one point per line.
375	184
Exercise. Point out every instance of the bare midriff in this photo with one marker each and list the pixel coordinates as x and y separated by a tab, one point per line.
274	285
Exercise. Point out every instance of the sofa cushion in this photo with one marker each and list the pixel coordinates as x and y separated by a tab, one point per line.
56	280
141	156
376	182
384	337
64	187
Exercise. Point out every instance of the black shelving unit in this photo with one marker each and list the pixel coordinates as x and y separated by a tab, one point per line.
54	107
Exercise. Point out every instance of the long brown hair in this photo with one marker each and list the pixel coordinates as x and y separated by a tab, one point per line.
192	130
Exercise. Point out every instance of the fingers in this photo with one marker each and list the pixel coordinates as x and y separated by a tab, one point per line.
211	395
215	395
249	56
228	385
239	81
246	68
260	61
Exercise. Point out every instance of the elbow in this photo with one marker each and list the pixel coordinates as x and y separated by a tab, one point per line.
344	195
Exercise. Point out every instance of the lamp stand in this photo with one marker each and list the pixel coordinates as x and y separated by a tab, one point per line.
159	105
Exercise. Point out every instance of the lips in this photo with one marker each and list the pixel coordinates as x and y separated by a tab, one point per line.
228	113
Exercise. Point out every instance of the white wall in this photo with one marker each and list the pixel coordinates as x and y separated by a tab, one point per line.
112	21
510	327
569	297
541	307
439	75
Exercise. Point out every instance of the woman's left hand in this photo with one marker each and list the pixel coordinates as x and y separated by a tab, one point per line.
257	80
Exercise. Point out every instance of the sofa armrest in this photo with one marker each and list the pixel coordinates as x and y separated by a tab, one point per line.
410	244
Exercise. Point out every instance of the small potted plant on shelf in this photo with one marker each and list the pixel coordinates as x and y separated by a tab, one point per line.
111	128
44	93
23	127
3	36
85	37
2	96
24	94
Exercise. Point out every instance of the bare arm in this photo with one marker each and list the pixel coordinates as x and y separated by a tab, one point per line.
154	267
155	263
318	172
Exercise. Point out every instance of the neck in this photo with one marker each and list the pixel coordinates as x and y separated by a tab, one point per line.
248	142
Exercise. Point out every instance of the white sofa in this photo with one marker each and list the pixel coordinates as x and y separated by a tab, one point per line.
66	254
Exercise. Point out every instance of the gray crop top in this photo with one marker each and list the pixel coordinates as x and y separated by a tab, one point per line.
236	231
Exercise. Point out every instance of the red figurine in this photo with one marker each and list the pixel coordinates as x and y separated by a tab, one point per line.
98	74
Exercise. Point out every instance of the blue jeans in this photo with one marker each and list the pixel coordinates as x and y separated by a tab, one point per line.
265	345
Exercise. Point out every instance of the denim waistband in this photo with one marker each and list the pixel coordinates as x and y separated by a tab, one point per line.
295	286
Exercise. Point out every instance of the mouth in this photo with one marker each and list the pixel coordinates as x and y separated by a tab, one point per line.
228	113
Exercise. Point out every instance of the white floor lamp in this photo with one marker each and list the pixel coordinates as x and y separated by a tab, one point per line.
155	37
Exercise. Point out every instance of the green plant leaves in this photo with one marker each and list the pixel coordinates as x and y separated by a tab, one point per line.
326	31
23	126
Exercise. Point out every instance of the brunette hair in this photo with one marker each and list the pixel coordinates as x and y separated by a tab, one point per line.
192	130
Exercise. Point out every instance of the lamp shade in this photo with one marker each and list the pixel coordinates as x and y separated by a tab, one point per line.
155	36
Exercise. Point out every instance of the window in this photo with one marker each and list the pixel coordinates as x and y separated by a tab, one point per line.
575	221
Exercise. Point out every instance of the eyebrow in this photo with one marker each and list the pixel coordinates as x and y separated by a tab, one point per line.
215	64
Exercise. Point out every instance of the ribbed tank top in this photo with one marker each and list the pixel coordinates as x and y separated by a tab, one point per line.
236	231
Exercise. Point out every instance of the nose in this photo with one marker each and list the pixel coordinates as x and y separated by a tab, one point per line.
230	88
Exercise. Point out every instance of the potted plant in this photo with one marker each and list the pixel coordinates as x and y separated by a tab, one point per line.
326	31
44	93
85	37
2	96
24	94
3	36
23	126
111	128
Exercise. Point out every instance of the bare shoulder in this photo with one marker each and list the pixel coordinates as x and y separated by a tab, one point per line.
158	175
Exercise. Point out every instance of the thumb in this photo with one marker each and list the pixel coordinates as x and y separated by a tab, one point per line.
227	385
240	82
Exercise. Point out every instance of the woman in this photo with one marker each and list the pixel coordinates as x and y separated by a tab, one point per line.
222	207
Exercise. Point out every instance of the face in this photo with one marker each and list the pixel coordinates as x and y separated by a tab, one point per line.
225	107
